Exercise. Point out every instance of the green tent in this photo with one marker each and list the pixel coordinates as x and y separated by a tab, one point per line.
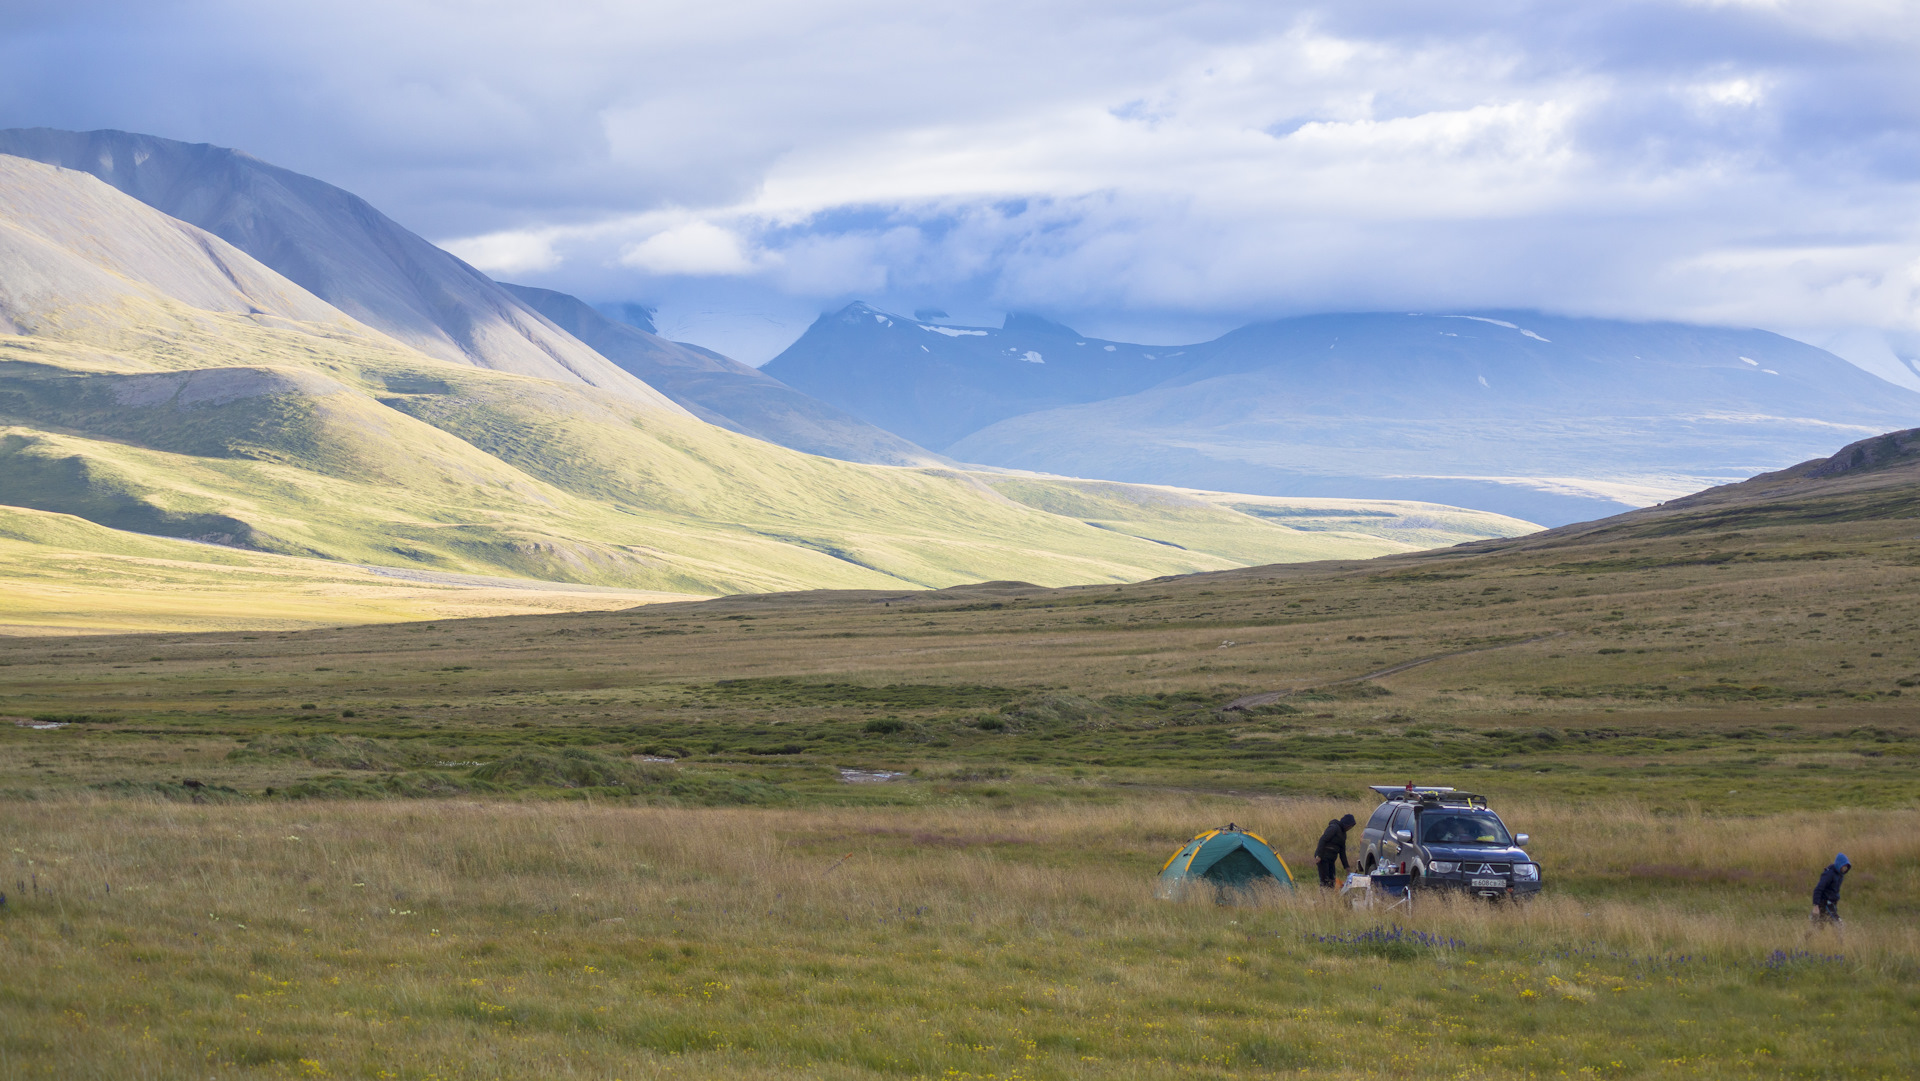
1231	860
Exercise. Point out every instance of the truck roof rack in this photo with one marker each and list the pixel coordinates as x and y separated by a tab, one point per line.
1434	795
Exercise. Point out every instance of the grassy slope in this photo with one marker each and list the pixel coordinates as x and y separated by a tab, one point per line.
372	454
66	575
1242	527
1721	709
478	472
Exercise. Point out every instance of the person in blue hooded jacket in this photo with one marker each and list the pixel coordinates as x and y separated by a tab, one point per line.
1826	894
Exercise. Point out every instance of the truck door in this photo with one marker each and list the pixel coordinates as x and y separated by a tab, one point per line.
1373	837
1402	820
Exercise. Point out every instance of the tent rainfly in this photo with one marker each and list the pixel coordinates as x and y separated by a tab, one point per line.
1227	859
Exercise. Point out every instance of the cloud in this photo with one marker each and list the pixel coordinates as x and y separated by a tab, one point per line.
1119	163
511	253
697	248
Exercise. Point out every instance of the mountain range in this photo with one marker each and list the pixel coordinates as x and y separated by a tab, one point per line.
336	246
407	414
723	391
1548	418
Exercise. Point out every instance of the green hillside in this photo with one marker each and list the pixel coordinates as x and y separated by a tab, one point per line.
394	459
341	448
223	404
65	575
1253	529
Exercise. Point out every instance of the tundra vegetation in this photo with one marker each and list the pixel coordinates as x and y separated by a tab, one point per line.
452	849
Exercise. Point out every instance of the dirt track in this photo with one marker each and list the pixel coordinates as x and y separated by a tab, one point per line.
1267	698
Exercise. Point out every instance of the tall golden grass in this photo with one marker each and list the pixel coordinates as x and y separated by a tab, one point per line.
562	939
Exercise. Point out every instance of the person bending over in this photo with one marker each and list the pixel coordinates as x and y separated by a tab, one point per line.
1333	846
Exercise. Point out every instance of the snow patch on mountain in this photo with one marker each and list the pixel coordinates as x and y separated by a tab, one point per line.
1498	323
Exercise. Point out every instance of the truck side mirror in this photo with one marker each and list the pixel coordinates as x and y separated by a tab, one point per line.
1520	840
1404	835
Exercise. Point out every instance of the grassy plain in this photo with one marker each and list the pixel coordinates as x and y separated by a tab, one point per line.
439	940
1690	709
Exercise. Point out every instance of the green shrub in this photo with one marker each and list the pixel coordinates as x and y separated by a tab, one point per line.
891	696
407	785
333	752
574	767
193	791
1055	708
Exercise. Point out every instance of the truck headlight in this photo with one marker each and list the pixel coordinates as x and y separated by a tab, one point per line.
1526	872
1442	867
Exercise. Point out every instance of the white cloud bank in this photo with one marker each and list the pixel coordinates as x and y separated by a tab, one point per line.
1122	164
698	248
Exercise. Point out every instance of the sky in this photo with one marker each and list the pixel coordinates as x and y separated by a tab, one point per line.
1157	172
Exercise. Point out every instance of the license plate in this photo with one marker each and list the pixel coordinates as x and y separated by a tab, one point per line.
1496	883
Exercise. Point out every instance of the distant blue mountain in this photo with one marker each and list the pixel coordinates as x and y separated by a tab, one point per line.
1541	417
719	389
944	382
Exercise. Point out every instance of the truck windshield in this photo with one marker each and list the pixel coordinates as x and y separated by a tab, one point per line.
1463	829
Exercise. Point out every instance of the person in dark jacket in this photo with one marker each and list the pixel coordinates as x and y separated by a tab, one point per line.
1333	846
1826	894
